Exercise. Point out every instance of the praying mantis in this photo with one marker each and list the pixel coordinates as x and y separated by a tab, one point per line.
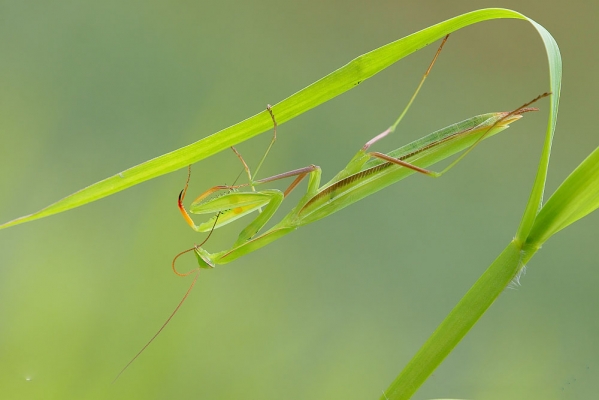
366	173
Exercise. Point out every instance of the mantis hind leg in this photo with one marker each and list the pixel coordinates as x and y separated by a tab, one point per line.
357	162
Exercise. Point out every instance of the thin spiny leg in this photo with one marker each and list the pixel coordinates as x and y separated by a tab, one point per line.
428	71
300	173
403	113
245	167
293	184
272	141
184	191
402	163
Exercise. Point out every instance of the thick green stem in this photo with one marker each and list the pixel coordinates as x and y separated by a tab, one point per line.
457	324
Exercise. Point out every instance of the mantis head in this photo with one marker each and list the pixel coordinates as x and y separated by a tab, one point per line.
203	258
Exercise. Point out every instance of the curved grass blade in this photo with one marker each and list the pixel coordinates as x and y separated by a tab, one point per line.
484	292
332	85
555	83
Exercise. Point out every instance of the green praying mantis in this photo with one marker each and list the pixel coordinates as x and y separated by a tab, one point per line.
366	173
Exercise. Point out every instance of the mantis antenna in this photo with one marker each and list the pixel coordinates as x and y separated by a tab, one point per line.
197	274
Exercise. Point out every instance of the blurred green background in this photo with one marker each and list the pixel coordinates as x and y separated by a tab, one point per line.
335	310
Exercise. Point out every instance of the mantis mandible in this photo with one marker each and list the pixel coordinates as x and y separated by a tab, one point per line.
366	173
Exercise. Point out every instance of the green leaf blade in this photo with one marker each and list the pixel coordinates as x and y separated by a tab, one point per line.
576	197
457	324
332	85
555	83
